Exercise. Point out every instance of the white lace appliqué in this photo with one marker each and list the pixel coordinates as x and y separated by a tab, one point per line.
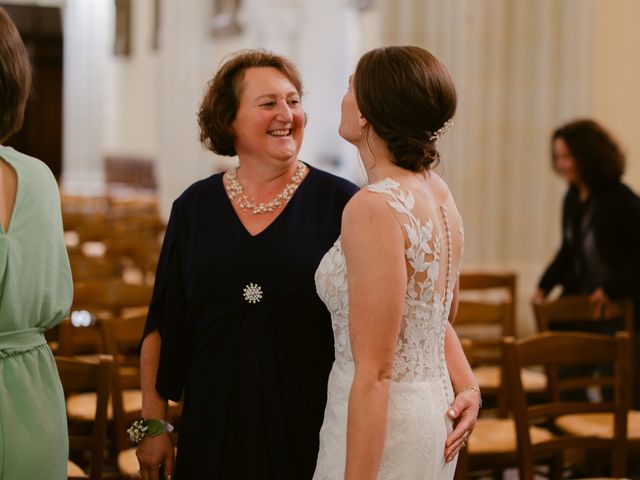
421	389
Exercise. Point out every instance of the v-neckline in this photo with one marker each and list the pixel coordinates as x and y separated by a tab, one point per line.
9	229
284	210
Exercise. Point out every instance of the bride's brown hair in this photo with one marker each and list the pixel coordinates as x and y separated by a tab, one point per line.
406	95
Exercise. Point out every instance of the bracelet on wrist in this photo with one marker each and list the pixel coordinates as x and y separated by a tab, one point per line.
148	427
473	388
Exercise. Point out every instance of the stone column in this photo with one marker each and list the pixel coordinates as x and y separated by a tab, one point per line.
87	43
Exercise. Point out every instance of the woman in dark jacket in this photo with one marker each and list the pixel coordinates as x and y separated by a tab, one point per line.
600	251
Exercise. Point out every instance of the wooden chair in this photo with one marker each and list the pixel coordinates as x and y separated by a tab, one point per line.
486	314
108	298
79	375
139	223
140	252
100	298
492	447
484	320
85	268
121	338
125	382
71	220
140	204
96	229
105	230
80	210
578	309
550	350
125	403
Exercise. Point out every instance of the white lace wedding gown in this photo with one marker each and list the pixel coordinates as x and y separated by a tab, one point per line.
421	392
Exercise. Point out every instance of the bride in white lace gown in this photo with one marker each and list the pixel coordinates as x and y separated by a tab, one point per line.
389	282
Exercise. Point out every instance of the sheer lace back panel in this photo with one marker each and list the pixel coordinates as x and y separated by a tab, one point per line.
433	248
421	391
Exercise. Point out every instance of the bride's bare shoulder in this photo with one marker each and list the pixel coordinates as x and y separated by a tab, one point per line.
366	202
438	187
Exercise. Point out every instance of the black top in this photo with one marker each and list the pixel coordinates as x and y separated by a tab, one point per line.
600	244
254	375
587	267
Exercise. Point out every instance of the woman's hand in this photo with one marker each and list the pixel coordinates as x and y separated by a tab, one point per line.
602	305
464	413
538	297
153	452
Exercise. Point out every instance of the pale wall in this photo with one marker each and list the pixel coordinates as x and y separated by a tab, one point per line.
131	107
616	95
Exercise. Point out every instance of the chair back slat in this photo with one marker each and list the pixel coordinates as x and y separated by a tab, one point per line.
110	296
562	348
486	313
120	337
579	310
89	375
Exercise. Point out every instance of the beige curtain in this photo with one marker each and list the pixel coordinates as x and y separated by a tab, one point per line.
521	68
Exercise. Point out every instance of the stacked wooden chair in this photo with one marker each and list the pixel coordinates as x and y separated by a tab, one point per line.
99	299
85	268
89	446
483	320
121	339
578	309
553	349
123	229
486	314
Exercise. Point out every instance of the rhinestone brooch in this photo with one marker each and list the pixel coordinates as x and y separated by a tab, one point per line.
252	293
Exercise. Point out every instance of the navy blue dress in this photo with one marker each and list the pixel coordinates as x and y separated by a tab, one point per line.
252	371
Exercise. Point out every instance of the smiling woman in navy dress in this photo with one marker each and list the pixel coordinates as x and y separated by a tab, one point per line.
235	325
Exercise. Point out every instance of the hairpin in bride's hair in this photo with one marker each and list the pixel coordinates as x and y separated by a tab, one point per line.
441	131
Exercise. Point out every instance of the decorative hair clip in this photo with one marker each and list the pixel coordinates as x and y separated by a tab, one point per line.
441	131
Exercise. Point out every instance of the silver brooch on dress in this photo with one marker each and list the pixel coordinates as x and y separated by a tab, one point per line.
252	293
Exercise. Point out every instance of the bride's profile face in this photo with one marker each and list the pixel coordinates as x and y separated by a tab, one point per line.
349	127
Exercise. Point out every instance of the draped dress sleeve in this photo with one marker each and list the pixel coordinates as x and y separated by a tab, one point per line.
168	312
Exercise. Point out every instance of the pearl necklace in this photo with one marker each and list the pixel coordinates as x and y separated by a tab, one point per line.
236	192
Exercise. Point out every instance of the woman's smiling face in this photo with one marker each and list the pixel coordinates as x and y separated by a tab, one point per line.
270	119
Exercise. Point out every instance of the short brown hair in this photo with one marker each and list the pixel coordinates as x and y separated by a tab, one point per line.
220	103
599	159
15	77
406	95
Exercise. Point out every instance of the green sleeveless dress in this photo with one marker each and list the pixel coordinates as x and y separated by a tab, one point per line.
35	294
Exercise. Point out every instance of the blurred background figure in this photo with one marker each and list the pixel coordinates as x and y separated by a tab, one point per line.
599	255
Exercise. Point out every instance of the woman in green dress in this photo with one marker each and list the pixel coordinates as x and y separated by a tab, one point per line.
35	289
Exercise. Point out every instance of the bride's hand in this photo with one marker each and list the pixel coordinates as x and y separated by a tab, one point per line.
463	412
